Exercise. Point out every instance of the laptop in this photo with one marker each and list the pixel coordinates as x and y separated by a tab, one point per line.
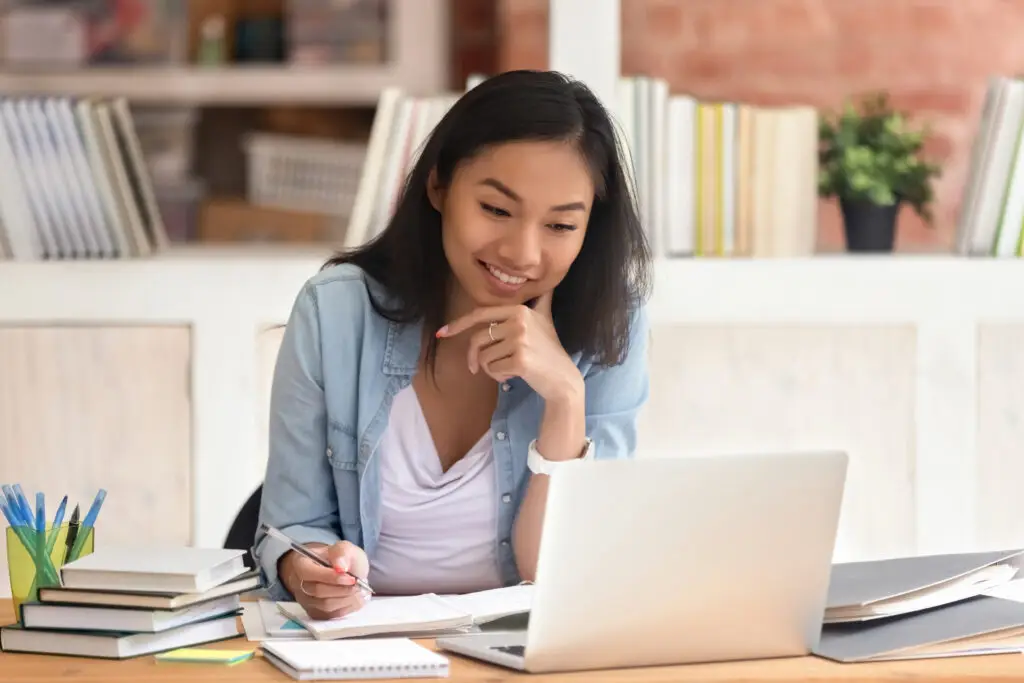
656	561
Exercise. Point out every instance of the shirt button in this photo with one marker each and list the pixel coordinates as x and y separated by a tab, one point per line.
504	544
501	436
506	386
506	498
329	452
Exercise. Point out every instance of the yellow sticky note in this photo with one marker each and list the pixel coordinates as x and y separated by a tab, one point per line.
195	654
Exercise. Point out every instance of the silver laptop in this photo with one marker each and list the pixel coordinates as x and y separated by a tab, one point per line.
679	560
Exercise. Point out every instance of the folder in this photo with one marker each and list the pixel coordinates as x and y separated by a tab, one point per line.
980	625
863	591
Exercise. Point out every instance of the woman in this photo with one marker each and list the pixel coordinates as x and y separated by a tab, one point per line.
429	381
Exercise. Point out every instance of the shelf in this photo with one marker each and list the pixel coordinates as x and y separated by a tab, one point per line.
247	85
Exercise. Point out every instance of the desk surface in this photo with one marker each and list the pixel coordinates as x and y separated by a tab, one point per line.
22	668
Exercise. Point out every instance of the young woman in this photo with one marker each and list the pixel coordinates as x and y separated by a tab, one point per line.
429	381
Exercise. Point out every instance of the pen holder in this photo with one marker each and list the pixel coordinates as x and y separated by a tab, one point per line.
37	564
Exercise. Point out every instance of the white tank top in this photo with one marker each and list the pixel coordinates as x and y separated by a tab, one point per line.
438	529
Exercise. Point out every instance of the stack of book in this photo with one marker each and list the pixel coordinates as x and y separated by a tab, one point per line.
124	602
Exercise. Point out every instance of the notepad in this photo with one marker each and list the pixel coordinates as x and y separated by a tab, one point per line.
416	615
364	659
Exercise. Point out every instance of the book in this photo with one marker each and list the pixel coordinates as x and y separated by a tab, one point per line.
418	614
114	645
157	569
37	615
63	595
365	659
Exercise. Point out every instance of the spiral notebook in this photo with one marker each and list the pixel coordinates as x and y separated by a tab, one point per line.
327	660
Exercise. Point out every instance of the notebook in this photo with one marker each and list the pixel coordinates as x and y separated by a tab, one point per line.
154	569
860	591
156	601
347	660
421	615
981	625
38	615
111	645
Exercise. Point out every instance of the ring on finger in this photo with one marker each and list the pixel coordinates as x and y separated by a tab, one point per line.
302	587
490	331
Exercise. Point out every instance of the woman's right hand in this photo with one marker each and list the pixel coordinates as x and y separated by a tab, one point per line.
326	593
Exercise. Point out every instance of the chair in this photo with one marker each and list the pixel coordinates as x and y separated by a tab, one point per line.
242	534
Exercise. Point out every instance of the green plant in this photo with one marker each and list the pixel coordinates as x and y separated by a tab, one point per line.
873	155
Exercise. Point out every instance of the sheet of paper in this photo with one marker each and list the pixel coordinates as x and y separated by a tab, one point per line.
493	604
392	613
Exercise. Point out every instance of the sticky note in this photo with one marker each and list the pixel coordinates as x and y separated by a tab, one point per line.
194	654
291	625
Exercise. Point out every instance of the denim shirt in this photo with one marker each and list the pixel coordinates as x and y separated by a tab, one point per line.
339	366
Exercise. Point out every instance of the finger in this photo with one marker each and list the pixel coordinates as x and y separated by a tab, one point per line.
480	340
475	317
496	352
340	555
310	571
504	368
328	591
334	608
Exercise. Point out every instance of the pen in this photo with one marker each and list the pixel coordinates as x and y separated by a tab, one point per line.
69	542
306	552
87	525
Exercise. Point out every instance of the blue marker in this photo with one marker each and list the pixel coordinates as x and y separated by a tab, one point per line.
90	517
40	512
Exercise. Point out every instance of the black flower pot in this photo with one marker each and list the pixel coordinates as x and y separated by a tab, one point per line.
869	227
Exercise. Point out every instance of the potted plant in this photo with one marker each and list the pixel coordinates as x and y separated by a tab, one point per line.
871	160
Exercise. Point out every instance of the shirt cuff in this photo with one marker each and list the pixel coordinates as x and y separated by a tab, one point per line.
268	552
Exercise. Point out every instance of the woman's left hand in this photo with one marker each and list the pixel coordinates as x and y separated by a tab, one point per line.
519	341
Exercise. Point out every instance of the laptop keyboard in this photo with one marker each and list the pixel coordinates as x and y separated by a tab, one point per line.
514	650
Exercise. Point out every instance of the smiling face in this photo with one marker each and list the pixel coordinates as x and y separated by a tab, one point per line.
514	218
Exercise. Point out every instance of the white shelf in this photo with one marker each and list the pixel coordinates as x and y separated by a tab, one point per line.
418	42
216	86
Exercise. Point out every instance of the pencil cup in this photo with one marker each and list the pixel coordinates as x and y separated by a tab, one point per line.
29	573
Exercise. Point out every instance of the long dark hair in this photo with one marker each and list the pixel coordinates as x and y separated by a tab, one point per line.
591	306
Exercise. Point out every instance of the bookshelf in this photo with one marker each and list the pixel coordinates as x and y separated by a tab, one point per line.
419	31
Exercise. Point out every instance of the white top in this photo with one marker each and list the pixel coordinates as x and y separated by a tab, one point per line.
438	529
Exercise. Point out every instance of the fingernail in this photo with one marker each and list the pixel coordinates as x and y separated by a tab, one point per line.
441	332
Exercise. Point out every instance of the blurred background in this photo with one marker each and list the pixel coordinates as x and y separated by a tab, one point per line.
834	190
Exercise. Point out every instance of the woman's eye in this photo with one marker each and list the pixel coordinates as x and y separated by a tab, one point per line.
563	227
493	209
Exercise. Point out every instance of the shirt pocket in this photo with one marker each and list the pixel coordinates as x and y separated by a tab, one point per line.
342	456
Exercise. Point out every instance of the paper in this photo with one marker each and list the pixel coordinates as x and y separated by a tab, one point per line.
263	621
961	588
384	615
494	604
193	654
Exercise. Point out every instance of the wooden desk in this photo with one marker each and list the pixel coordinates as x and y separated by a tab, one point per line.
21	668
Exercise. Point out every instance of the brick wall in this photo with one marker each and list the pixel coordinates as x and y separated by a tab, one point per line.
933	56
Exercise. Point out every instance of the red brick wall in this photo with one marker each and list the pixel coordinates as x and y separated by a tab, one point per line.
933	56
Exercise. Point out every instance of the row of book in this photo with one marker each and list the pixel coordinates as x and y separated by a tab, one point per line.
712	178
992	212
73	182
117	603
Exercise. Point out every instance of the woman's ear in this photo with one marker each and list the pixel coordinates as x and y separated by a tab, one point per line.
435	193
